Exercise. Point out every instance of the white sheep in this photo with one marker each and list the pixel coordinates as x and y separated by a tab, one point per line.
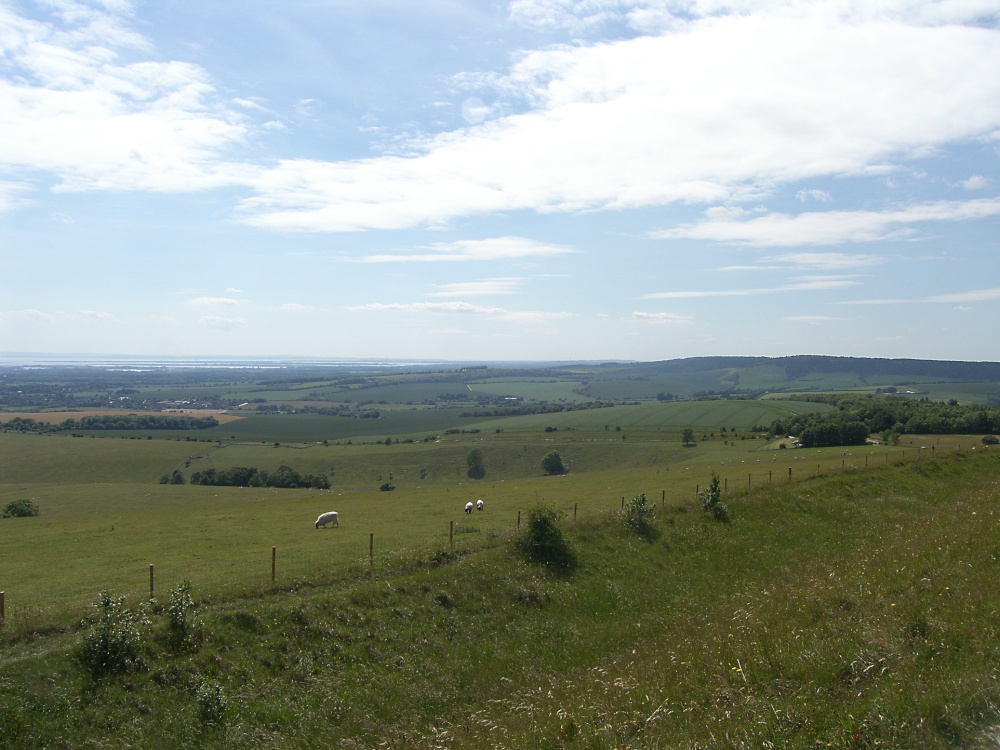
468	507
325	518
479	504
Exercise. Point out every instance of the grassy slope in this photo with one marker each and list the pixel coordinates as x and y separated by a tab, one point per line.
858	609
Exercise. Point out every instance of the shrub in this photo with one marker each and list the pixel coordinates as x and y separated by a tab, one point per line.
542	541
552	463
387	487
638	517
212	703
183	629
23	508
710	497
474	462
990	440
114	643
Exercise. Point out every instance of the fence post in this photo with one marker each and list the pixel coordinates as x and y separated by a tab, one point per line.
451	533
697	490
151	589
789	473
274	562
574	512
769	472
519	520
749	477
371	548
663	496
725	485
623	502
3	608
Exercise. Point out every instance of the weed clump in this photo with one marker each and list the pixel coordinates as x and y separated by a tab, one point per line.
542	542
114	643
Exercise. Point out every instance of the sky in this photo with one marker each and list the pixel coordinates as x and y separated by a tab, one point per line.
487	180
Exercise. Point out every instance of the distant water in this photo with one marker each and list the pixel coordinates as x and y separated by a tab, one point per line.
147	364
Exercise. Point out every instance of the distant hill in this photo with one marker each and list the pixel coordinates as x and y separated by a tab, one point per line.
753	376
798	366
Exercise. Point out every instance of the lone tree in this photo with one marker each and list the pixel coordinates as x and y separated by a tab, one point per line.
552	463
475	463
687	437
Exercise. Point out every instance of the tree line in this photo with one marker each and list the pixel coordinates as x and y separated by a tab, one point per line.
859	416
284	477
114	422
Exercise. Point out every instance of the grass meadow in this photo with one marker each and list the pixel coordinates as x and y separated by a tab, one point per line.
853	605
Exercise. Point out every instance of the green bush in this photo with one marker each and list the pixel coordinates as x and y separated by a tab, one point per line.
20	509
710	500
552	463
542	541
638	517
114	643
990	440
212	703
183	630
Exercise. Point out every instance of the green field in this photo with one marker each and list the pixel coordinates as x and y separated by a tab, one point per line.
849	601
852	605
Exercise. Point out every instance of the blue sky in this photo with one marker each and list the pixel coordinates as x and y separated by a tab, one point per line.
520	180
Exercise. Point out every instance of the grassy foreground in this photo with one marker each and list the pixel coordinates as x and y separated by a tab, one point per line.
859	610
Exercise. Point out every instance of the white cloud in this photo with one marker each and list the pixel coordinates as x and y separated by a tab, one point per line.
663	318
496	248
213	301
616	125
98	315
976	182
814	194
831	227
812	319
72	104
486	287
803	284
27	314
222	323
973	295
11	195
814	261
464	308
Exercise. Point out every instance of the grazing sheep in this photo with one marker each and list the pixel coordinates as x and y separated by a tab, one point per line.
325	518
479	504
468	507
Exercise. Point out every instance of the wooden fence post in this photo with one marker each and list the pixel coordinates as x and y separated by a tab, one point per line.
151	589
749	477
789	473
3	608
451	533
274	562
574	512
371	548
519	520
